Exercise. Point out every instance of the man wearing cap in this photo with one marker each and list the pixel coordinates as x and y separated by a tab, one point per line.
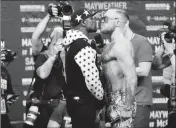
82	75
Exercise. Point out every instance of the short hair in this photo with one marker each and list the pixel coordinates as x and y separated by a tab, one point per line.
123	13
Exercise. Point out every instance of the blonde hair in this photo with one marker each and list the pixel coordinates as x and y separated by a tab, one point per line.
122	12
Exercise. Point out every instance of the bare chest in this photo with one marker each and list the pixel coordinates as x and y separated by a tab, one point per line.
107	55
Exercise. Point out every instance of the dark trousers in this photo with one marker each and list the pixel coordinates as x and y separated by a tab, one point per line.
5	122
141	119
171	120
82	113
43	118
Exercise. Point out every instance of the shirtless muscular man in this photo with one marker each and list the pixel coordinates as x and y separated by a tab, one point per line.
119	70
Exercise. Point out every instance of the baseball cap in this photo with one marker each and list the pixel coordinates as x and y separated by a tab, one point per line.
80	15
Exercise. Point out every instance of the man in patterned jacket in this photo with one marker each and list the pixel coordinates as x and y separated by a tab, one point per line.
83	82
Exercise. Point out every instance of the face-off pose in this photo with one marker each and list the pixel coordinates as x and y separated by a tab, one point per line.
82	75
119	70
142	58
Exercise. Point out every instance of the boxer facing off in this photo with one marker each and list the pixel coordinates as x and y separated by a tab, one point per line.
119	70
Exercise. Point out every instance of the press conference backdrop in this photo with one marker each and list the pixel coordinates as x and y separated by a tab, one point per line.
19	19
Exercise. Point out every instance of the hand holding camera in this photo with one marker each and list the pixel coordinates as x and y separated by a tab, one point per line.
53	10
7	55
59	10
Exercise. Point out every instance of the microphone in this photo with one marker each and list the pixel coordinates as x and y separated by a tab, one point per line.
99	40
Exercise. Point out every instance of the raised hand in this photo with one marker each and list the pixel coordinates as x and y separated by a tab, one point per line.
52	10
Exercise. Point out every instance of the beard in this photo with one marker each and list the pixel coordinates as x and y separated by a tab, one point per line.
92	30
106	31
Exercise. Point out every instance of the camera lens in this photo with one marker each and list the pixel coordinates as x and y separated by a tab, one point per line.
67	10
31	116
168	37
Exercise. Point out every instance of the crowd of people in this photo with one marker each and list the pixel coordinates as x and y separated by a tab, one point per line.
75	91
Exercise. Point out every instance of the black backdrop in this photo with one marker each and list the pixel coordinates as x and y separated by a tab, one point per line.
19	19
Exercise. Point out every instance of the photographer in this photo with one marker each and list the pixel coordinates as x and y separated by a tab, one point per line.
7	94
165	56
37	44
49	79
165	59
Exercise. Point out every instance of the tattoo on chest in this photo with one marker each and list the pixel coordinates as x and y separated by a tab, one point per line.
107	49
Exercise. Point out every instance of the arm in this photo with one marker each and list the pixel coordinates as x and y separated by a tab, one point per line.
44	70
143	69
169	48
43	67
90	71
11	98
36	36
9	84
123	53
160	61
144	57
172	59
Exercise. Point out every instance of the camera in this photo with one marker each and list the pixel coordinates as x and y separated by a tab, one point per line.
169	36
33	111
171	33
32	115
7	55
64	10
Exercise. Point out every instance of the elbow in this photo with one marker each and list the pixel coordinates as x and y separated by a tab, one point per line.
36	48
43	77
41	74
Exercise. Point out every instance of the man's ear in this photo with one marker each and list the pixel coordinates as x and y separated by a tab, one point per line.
117	23
127	23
